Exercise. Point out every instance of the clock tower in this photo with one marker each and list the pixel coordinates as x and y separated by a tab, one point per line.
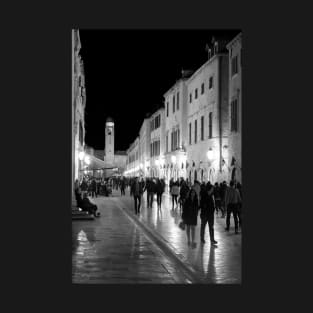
109	141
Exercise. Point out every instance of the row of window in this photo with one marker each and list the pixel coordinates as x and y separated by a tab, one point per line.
174	100
202	89
155	123
155	148
201	129
133	157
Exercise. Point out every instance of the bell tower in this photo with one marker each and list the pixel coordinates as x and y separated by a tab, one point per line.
109	140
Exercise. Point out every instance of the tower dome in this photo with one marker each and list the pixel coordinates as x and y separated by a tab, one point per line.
109	120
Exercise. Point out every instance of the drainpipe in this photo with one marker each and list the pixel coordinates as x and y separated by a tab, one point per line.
219	99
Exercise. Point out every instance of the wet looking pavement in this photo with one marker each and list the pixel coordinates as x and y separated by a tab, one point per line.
116	249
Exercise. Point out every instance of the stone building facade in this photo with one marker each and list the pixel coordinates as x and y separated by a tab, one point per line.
132	161
175	156
78	106
157	144
198	136
144	147
207	121
235	104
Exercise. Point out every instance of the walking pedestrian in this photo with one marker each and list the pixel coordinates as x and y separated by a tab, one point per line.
183	193
160	186
223	187
197	187
174	193
232	201
137	191
190	216
93	188
150	187
84	186
207	211
239	188
122	186
217	198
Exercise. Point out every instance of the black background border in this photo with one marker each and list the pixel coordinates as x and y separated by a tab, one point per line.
37	53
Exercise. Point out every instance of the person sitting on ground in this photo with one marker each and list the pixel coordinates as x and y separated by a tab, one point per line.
87	206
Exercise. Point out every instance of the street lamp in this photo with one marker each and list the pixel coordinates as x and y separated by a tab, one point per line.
210	154
81	155
87	160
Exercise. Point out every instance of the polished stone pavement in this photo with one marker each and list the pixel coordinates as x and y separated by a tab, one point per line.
114	249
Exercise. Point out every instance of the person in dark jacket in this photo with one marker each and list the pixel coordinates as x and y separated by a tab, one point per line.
183	193
223	187
190	216
232	201
207	211
150	187
122	186
86	205
239	188
93	188
159	188
217	198
137	189
84	186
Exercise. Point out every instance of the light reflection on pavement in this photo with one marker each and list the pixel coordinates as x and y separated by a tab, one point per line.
111	249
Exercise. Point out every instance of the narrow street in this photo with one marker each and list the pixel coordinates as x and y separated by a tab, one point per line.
120	247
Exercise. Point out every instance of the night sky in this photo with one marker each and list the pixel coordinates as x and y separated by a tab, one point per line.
128	71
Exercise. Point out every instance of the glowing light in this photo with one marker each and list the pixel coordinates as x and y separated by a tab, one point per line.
87	160
210	154
157	162
81	155
173	159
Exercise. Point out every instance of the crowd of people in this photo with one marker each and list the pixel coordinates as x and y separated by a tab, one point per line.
209	199
191	199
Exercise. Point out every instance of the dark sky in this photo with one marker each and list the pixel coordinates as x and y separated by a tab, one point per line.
128	71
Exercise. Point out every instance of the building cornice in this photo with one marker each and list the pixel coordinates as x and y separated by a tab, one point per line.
174	87
207	63
234	40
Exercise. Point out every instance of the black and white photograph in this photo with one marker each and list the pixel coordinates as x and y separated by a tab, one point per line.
157	173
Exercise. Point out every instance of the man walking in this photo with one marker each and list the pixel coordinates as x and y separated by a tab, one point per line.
207	211
122	186
150	187
232	201
160	186
137	191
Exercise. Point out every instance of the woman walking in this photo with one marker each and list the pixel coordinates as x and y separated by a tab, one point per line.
190	216
174	193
